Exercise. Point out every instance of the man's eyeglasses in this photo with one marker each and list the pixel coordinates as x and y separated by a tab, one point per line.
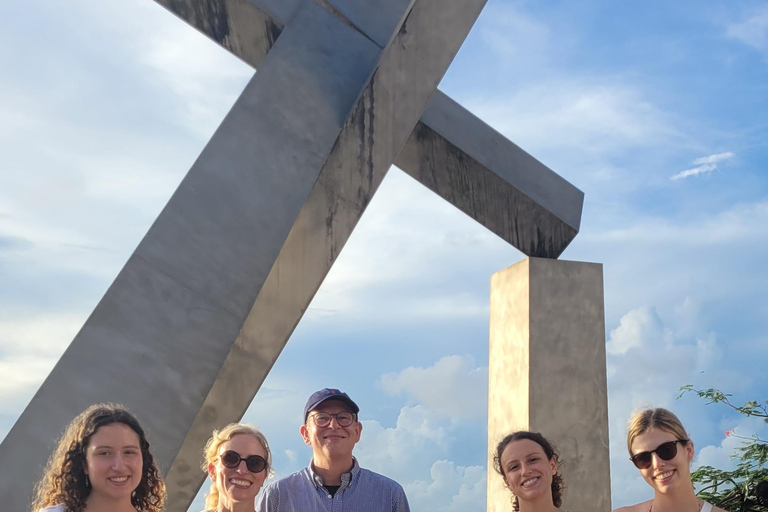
323	419
255	463
665	451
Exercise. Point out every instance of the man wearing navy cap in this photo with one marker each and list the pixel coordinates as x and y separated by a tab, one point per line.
333	481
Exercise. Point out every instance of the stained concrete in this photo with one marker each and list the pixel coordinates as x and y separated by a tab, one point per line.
450	151
547	373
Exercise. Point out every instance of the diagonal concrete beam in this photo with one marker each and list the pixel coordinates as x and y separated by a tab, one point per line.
451	151
202	309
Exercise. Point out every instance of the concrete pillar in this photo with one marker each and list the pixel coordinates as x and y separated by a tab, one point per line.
547	373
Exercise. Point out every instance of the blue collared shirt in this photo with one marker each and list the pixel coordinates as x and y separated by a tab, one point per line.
361	491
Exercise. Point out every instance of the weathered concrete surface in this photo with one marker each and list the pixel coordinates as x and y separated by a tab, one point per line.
547	373
229	267
476	169
450	151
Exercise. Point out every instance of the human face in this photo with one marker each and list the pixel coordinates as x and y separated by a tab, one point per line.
527	471
665	476
332	442
113	462
238	485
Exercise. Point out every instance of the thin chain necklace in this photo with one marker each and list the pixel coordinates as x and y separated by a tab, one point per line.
699	501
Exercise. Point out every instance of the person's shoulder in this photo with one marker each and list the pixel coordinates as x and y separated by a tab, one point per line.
291	480
639	507
718	509
379	479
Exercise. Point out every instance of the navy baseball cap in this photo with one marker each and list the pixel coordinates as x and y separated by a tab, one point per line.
321	396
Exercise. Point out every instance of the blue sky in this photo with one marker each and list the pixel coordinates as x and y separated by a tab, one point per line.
657	111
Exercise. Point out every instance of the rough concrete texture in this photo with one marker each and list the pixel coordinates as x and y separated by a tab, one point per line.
547	373
450	151
229	267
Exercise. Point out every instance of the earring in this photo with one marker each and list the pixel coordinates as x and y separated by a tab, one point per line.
87	481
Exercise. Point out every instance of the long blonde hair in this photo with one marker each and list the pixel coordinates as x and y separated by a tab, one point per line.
645	419
211	453
64	481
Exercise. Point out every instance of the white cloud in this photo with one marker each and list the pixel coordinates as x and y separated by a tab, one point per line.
439	494
704	165
453	386
721	456
512	34
753	30
45	336
713	159
601	118
420	433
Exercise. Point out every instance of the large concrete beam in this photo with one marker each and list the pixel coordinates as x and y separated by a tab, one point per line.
450	151
225	273
547	373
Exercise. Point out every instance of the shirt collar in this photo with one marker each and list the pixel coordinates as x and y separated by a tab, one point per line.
346	478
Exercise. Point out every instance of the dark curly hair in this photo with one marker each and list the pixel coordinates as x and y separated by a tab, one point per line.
64	480
557	480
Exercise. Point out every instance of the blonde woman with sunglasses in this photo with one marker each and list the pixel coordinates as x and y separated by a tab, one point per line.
237	460
661	450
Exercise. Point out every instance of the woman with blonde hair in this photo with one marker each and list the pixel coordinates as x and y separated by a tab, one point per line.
102	463
660	448
238	460
529	465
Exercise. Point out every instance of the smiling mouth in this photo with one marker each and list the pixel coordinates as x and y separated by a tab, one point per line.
664	476
240	483
118	480
531	482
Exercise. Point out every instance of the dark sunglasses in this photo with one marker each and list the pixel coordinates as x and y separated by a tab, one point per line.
255	463
665	451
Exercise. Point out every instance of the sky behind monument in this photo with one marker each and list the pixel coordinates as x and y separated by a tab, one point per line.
656	111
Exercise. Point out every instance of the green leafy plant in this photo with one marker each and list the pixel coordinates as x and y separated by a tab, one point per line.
745	489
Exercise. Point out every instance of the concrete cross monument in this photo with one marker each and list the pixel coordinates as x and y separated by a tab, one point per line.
202	309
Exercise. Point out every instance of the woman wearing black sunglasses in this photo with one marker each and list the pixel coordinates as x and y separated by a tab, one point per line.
238	460
660	448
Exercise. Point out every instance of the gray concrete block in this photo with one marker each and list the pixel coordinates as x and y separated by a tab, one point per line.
547	373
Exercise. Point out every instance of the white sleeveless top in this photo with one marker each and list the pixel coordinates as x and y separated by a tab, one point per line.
57	508
706	507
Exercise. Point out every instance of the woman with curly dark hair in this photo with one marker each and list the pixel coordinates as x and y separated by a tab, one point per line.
101	464
529	466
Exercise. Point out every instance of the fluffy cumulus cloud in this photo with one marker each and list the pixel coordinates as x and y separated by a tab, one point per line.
419	434
453	386
439	493
704	165
721	455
